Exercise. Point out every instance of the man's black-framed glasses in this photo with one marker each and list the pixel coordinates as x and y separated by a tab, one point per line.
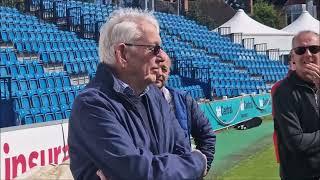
314	49
154	48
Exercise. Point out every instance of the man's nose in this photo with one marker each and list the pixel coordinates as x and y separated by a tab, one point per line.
160	73
308	53
159	59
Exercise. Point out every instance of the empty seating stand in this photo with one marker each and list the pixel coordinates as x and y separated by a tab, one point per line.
204	63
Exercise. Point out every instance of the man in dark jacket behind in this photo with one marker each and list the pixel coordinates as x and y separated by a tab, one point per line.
190	116
120	124
296	112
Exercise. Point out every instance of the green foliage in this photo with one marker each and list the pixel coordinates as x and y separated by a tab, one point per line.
267	14
195	13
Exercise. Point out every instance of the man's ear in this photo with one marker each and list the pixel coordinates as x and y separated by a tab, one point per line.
120	54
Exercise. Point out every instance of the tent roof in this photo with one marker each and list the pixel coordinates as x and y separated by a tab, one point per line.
242	23
304	22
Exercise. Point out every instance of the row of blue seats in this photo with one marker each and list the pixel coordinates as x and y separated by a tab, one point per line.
268	70
42	46
10	24
7	56
81	67
245	54
217	46
195	91
205	74
44	115
44	107
73	8
21	84
31	25
89	6
164	23
69	56
174	81
205	77
257	63
185	52
205	35
7	9
234	92
23	68
18	18
273	78
197	39
43	102
171	43
37	101
22	35
220	83
204	66
172	18
226	75
198	61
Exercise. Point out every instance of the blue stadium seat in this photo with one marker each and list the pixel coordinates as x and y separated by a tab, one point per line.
14	71
22	69
49	116
50	81
3	58
42	81
4	37
63	98
36	101
58	115
23	83
71	97
54	100
3	71
45	100
32	82
38	117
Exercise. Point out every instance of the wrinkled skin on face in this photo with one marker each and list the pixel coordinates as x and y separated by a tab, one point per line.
164	70
307	65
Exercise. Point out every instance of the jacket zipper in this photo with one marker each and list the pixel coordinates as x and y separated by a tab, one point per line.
315	93
316	97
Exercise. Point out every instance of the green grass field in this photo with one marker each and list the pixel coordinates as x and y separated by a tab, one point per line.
245	154
261	165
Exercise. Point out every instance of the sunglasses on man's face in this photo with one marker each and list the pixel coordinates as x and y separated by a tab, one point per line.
314	49
154	48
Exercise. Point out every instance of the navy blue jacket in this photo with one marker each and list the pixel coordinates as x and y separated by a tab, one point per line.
192	119
106	132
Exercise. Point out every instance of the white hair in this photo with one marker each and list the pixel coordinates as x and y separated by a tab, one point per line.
122	26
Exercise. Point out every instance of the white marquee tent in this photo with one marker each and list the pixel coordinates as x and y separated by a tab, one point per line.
274	38
304	22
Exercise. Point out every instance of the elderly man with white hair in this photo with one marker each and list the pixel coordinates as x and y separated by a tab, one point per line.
120	123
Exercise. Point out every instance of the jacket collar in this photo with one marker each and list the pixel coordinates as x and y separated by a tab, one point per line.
293	77
104	74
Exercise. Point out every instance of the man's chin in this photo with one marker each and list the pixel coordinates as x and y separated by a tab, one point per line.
151	78
159	84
